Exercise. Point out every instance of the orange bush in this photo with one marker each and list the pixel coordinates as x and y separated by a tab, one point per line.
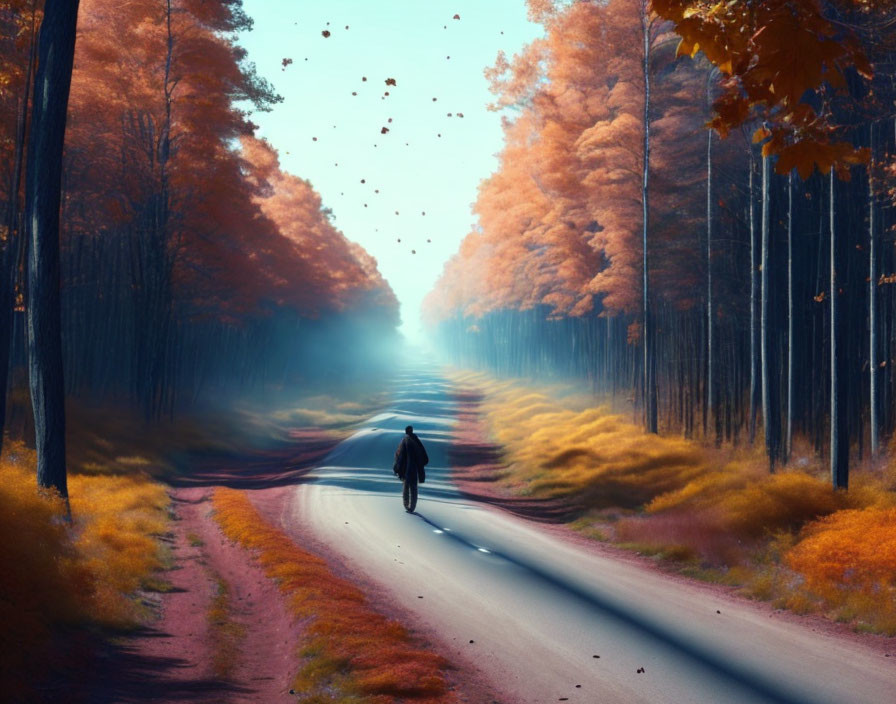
118	520
566	447
351	650
55	575
41	583
849	560
750	504
855	547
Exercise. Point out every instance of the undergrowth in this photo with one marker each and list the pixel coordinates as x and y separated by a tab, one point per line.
167	447
58	576
351	654
786	537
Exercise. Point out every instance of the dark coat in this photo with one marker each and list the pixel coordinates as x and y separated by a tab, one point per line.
410	459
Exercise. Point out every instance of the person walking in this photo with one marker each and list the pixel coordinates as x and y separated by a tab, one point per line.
410	460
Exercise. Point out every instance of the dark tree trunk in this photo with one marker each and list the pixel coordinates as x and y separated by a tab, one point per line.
755	388
872	309
839	440
7	290
43	182
788	437
770	407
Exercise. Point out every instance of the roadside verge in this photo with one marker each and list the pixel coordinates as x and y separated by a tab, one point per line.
350	653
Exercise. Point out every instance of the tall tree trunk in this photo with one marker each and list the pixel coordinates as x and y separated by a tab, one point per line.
43	185
839	443
872	308
650	400
7	293
754	308
788	439
710	401
769	402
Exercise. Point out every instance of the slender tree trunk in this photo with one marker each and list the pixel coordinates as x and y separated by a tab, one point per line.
710	400
754	308
769	404
839	443
43	183
872	309
650	392
788	440
7	292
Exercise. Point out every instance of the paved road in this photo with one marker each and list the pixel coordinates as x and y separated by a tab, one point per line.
538	609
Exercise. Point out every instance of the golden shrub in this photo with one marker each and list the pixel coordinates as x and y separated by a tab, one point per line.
55	574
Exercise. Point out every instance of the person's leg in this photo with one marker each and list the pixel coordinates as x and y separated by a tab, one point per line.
406	495
413	498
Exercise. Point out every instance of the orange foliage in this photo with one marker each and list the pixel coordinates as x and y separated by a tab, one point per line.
337	274
241	236
743	500
777	57
852	553
559	223
56	576
351	650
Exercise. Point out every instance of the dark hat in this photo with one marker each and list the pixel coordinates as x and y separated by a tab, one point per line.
409	429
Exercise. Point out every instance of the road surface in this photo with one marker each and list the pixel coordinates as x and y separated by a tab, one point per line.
531	611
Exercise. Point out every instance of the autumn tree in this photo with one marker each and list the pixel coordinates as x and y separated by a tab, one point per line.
776	57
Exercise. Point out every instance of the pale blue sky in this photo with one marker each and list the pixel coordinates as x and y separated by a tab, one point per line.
406	40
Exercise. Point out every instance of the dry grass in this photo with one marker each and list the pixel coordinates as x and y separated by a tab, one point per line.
56	575
225	633
90	575
786	537
97	434
562	448
328	412
351	654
